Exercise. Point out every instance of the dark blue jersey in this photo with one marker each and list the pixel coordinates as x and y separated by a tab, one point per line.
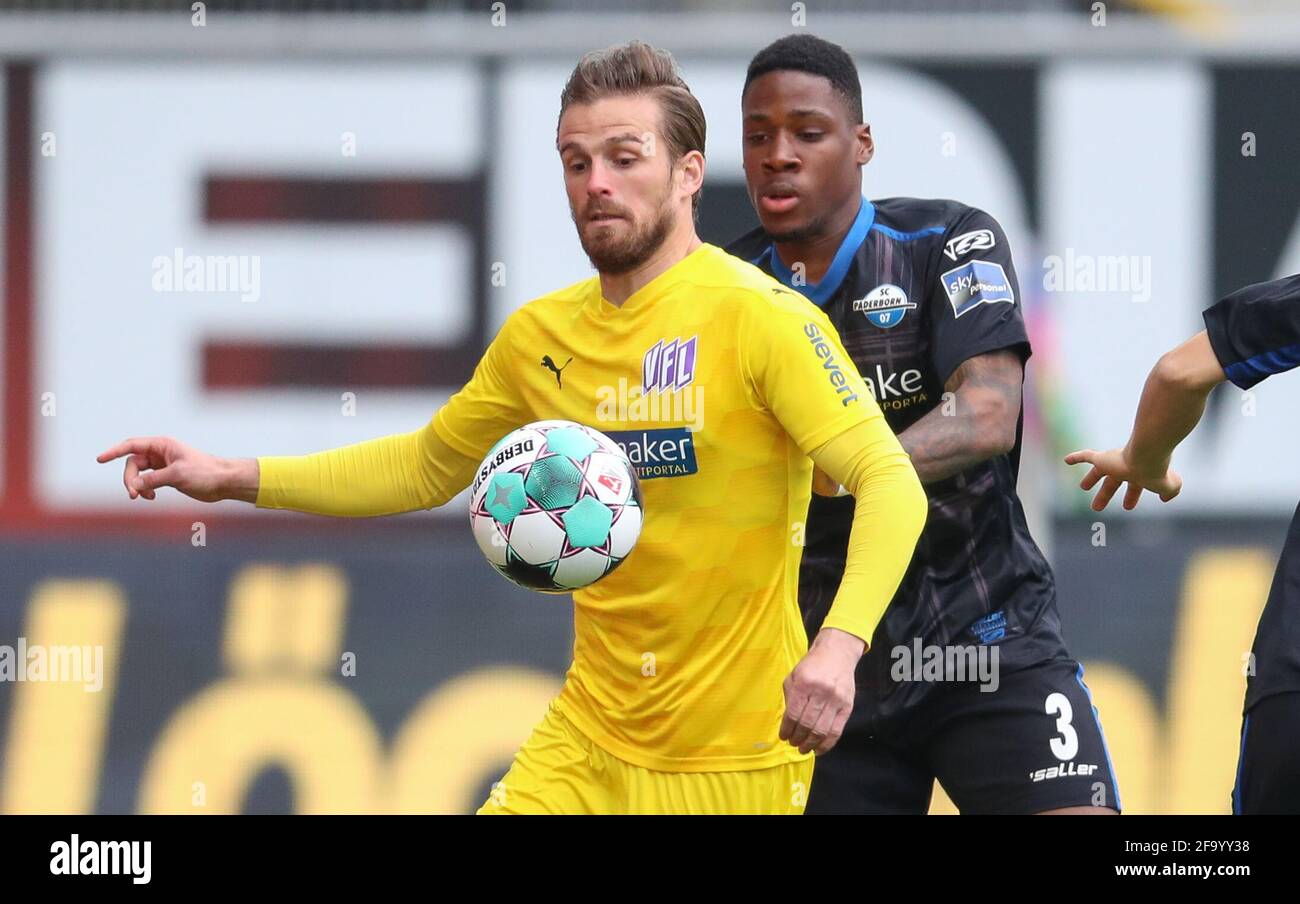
1255	333
916	288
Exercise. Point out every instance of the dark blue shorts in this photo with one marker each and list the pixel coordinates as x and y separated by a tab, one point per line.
1032	744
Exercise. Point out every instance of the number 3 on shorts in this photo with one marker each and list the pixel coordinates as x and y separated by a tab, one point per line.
1067	745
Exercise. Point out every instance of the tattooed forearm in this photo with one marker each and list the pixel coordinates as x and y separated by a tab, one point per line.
976	423
941	446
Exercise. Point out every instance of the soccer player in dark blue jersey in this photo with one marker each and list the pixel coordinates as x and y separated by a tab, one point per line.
1248	336
966	679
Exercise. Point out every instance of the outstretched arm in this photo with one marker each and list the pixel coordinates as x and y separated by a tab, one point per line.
157	461
1172	403
1249	336
399	473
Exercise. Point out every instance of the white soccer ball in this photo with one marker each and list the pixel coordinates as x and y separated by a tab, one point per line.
555	506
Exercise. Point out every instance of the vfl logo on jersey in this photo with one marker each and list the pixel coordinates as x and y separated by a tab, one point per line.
833	370
975	283
884	306
979	240
658	453
669	366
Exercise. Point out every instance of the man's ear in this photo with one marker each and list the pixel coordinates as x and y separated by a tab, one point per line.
866	144
692	169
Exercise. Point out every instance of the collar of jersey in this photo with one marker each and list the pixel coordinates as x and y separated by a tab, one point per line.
654	288
821	292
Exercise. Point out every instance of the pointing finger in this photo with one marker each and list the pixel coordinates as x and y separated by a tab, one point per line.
134	444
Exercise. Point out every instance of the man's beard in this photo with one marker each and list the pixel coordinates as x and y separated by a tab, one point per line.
620	255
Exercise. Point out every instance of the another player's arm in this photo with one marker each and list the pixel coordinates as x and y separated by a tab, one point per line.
1171	406
977	423
1249	335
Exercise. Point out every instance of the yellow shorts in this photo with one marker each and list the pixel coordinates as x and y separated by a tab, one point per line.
559	770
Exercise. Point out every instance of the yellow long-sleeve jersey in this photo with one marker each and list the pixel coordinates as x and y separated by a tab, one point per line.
719	383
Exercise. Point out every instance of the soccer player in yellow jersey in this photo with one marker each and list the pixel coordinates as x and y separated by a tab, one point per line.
693	688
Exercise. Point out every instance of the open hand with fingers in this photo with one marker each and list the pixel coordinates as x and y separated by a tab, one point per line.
160	461
1114	469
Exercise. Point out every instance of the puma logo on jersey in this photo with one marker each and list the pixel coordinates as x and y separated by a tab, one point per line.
558	371
833	370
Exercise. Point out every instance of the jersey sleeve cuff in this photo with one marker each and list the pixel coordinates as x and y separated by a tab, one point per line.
1020	346
1216	330
859	628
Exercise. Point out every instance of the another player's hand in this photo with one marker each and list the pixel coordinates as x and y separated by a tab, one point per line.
1114	468
819	692
160	461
